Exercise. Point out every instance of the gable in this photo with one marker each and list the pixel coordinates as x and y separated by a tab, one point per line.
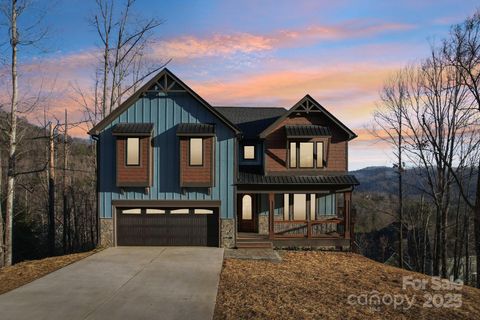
165	82
306	109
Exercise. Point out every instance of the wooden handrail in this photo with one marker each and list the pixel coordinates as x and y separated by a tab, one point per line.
290	221
325	221
304	225
300	224
329	220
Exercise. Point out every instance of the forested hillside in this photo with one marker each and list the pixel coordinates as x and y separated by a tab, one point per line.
376	222
73	190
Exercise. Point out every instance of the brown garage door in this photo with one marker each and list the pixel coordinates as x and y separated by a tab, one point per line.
167	227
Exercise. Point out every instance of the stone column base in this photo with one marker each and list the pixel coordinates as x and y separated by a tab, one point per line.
263	224
106	232
227	233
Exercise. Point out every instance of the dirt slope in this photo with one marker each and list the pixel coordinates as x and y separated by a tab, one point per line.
331	285
27	271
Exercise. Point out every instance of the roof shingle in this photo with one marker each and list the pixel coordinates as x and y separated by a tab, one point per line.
251	120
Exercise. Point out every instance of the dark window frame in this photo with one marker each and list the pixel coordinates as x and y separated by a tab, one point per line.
190	152
139	152
297	143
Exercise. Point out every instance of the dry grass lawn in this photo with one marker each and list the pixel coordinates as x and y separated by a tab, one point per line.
27	271
317	285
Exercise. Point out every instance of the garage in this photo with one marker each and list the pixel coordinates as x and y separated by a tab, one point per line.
160	226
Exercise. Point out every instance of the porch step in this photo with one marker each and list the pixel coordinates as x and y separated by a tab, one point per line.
249	236
254	244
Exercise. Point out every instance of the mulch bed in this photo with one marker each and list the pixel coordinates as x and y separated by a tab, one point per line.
27	271
318	285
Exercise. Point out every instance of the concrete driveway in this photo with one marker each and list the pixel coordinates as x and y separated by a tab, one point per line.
124	283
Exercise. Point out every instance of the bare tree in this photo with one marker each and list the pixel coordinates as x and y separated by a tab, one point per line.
26	36
66	213
429	107
389	127
12	14
125	40
438	125
51	191
103	24
462	50
2	249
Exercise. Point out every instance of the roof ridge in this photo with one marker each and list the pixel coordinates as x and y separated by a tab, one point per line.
250	107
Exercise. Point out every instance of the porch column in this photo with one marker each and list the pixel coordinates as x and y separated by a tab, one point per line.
271	206
308	213
347	196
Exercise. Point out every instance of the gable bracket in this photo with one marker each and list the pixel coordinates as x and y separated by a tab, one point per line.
166	84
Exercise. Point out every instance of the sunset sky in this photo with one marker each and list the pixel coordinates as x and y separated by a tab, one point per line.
261	53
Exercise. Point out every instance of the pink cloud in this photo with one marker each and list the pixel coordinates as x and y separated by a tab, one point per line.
188	47
349	90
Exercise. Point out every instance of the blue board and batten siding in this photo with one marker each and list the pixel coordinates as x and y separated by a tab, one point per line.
166	112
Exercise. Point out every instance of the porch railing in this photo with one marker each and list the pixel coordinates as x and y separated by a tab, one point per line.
321	228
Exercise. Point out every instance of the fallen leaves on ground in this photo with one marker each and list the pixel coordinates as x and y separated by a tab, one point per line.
24	272
317	285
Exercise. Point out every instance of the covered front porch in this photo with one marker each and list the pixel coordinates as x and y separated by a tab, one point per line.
296	215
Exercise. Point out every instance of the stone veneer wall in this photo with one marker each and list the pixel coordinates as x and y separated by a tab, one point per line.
227	233
263	224
106	232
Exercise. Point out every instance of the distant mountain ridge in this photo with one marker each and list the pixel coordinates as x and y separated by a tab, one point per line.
385	180
376	179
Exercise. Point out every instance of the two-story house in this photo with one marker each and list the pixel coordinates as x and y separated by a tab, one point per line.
174	170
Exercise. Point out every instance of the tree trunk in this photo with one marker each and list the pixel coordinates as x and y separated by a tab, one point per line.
2	257
51	195
12	145
436	243
466	276
105	76
458	243
476	217
400	198
64	187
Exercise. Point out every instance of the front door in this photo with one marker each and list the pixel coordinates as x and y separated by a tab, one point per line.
246	215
